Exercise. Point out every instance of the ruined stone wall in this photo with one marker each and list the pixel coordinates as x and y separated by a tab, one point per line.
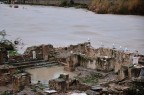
5	79
58	84
120	56
48	52
104	64
116	57
98	63
37	49
71	63
130	72
43	52
65	52
64	83
83	54
6	73
19	58
21	80
103	59
92	64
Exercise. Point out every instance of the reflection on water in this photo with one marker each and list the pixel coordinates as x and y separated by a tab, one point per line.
46	73
65	26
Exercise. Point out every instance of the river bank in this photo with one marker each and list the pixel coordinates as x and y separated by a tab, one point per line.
49	24
129	7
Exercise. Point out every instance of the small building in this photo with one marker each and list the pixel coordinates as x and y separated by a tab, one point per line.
130	72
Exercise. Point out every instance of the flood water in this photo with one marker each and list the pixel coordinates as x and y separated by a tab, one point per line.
44	74
64	26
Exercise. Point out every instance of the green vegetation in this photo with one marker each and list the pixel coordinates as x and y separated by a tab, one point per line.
33	89
90	79
13	53
137	88
63	3
71	3
19	71
40	85
6	93
117	6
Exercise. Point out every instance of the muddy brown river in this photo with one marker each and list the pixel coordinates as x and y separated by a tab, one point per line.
37	25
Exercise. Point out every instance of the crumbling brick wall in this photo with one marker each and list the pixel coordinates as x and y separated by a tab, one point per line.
63	83
21	80
105	59
43	52
5	79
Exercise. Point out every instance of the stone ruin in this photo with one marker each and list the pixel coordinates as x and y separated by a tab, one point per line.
125	65
64	83
49	53
10	76
19	81
104	59
100	59
42	52
131	72
6	73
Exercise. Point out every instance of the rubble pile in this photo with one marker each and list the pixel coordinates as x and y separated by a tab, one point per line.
6	72
19	81
65	84
9	75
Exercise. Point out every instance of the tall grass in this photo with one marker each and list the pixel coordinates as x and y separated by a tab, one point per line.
118	6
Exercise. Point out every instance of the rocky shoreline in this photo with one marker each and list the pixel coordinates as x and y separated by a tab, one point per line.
129	7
